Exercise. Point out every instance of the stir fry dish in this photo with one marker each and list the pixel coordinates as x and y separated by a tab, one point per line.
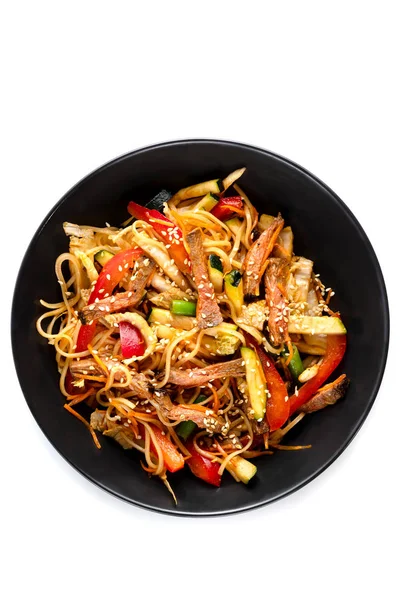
193	333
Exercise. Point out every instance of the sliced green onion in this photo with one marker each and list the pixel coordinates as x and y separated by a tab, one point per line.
183	307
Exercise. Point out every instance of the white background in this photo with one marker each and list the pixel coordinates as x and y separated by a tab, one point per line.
83	82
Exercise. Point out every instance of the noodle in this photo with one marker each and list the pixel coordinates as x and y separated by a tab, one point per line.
128	381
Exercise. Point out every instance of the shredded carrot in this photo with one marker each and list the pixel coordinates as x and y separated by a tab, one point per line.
134	426
239	211
93	378
86	423
199	407
144	416
290	355
96	357
227	446
266	440
75	399
216	403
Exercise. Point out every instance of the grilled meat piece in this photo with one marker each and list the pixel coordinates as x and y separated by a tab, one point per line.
255	262
193	377
139	384
276	277
124	300
327	395
208	313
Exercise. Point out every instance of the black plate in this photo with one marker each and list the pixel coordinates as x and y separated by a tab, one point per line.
325	230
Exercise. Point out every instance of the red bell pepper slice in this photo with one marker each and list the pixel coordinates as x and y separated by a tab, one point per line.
203	467
132	342
173	459
278	406
110	276
335	349
226	207
170	233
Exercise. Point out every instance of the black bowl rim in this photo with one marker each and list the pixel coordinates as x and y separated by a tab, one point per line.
368	248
